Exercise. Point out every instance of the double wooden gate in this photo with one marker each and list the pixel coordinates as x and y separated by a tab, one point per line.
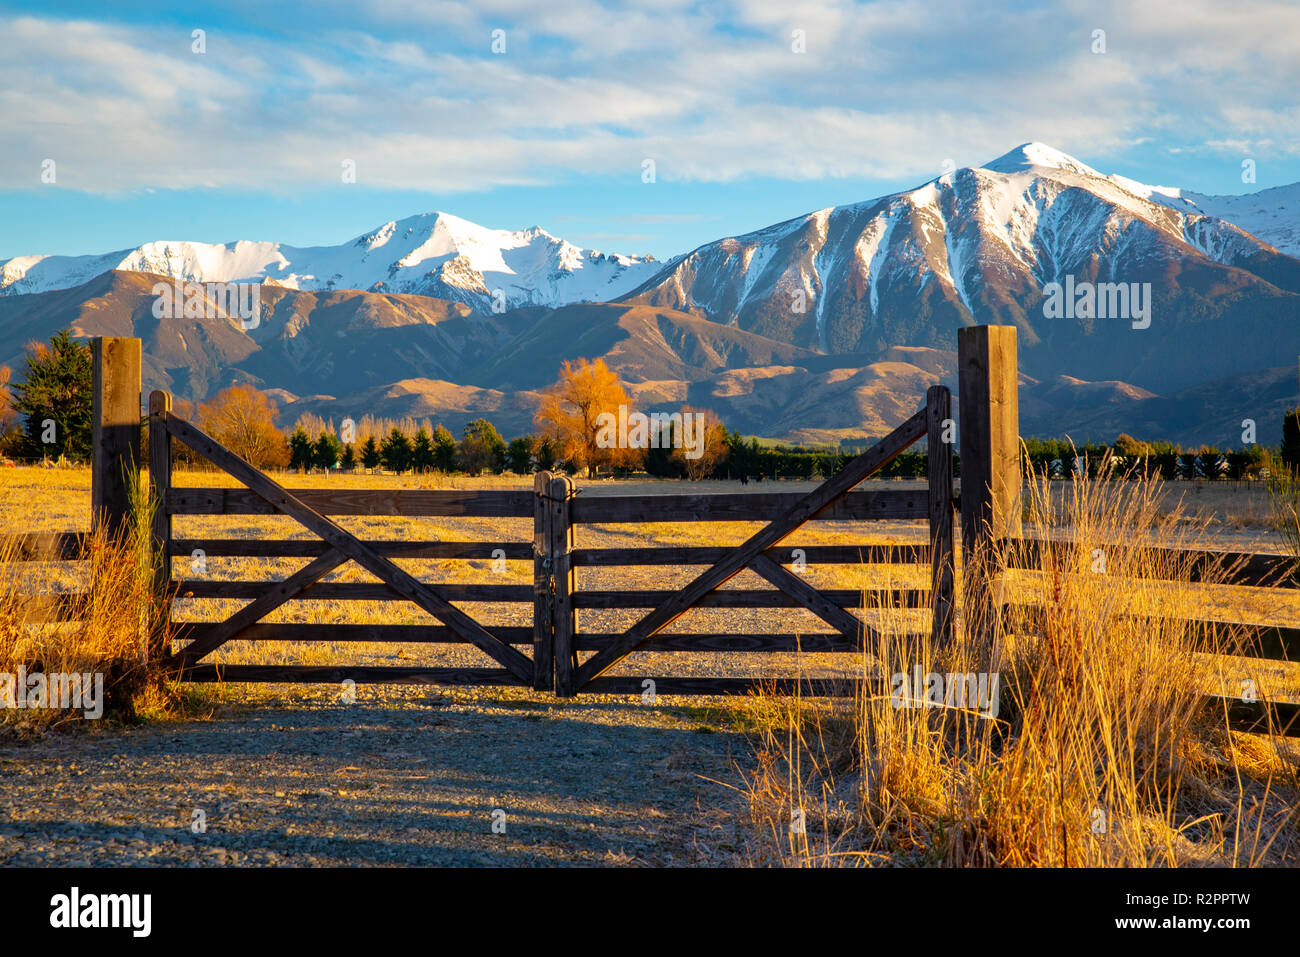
557	643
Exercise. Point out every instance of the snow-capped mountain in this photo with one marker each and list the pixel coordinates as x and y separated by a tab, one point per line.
982	245
1272	215
433	254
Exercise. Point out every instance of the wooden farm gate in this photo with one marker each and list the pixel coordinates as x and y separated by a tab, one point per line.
785	513
555	640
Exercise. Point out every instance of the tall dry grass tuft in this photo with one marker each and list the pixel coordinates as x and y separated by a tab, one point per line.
1090	744
98	616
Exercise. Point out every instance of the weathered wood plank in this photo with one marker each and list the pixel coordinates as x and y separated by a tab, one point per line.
44	547
861	505
755	598
1257	717
115	449
349	545
310	548
709	555
543	628
160	480
938	404
564	615
809	687
1246	569
808	507
714	642
488	503
271	597
297	631
1274	642
349	591
990	472
337	674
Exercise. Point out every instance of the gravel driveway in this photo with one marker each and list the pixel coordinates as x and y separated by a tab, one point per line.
290	775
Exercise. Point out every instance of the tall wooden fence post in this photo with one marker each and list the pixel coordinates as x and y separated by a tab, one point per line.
543	626
115	448
940	434
160	480
564	618
990	473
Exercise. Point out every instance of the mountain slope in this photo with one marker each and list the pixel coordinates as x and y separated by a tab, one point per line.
306	343
433	254
640	343
982	246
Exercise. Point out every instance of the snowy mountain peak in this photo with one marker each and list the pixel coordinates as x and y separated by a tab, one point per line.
1028	157
434	254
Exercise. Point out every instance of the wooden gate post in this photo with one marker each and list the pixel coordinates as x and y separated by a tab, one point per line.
938	404
990	472
543	627
115	446
564	620
160	480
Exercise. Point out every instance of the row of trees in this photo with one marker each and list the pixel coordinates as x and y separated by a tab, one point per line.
48	415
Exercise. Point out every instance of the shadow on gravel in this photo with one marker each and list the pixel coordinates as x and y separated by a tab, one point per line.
473	784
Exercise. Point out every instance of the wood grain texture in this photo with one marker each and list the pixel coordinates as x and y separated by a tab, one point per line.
938	403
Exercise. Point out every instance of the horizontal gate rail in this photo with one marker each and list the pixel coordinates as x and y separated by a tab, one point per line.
860	505
407	634
309	548
755	598
351	591
360	674
413	503
709	555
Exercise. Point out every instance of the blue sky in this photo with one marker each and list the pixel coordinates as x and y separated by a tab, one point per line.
152	140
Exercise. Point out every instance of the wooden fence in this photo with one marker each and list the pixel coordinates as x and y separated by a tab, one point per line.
555	652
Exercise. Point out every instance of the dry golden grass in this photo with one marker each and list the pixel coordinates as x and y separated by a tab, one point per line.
104	628
1099	753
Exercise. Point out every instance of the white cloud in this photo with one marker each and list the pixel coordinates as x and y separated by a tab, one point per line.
413	95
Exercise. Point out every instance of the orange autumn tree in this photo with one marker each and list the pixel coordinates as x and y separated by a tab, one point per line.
243	420
8	417
570	409
703	445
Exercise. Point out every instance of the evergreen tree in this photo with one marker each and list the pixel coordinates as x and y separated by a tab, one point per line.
545	453
1291	438
57	398
444	450
422	451
395	453
327	451
519	455
349	459
301	450
370	457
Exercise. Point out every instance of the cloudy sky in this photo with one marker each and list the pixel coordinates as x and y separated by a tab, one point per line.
751	112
